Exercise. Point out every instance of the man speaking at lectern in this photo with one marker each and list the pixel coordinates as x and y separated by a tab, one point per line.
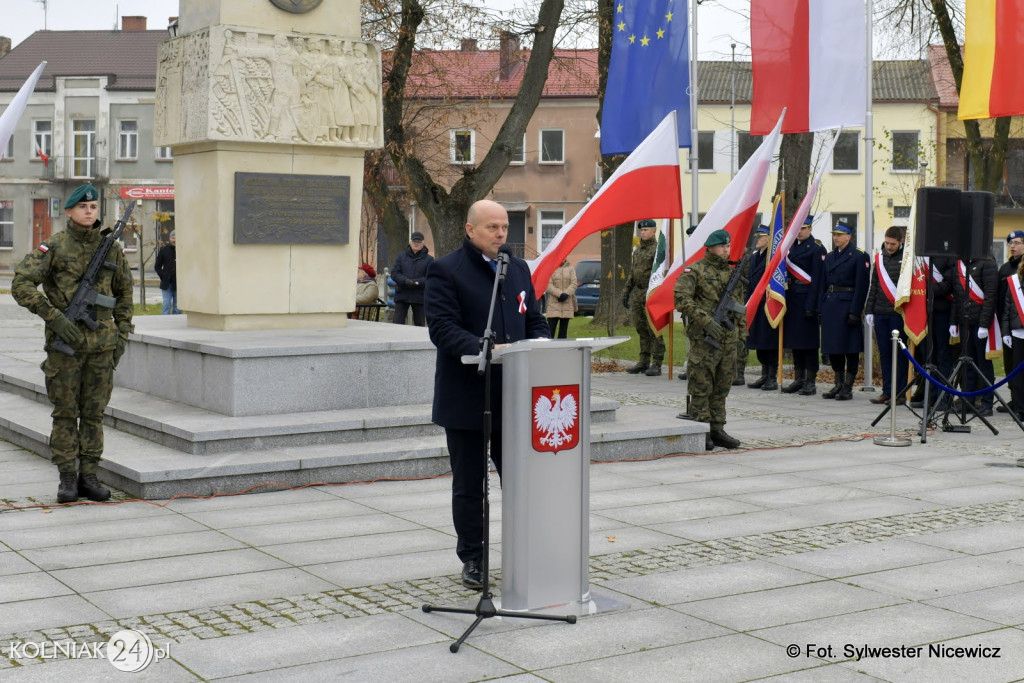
456	303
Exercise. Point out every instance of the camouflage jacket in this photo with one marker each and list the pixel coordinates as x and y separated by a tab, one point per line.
58	264
640	268
698	291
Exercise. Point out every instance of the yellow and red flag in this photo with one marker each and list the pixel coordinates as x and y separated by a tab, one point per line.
911	300
993	82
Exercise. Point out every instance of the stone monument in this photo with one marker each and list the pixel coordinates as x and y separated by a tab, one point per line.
269	117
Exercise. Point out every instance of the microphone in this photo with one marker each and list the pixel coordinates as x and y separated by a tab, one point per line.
504	258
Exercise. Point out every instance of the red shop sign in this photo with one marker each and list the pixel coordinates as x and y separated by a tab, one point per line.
148	192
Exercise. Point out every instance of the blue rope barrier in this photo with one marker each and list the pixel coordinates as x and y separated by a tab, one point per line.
951	390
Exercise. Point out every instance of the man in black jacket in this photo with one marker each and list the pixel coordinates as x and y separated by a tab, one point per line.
880	311
166	269
1015	242
973	313
458	296
410	276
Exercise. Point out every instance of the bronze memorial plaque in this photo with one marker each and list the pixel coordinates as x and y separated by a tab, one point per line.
284	208
296	6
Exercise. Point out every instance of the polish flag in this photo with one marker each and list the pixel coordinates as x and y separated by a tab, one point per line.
9	119
810	57
782	252
733	212
646	185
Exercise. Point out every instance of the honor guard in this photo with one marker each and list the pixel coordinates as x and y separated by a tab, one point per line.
652	347
800	332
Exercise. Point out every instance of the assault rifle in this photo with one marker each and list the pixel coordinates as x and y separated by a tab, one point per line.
727	303
83	304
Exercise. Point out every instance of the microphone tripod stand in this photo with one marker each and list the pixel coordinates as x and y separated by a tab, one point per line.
485	608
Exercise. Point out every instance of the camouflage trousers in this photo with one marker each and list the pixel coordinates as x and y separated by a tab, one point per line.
711	372
652	347
79	388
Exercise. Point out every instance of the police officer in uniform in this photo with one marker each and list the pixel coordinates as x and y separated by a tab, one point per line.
78	386
652	347
800	332
711	369
844	289
762	337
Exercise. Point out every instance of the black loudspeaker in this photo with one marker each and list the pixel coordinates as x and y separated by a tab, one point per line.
938	222
977	222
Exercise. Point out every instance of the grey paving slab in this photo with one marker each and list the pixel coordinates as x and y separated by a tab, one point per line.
187	594
702	583
408	501
993	656
806	495
751	484
48	612
938	579
690	469
131	549
863	558
31	586
667	512
1002	604
82	517
984	539
909	623
732	525
728	658
268	651
647	493
917	482
828	673
254	500
969	495
96	671
320	529
852	473
278	514
359	547
398	567
778	606
13	563
860	508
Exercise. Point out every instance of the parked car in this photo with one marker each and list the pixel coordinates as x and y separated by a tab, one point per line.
588	280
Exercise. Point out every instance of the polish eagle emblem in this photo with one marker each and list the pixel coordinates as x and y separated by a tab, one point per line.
555	418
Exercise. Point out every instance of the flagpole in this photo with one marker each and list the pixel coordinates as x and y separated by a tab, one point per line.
782	323
694	96
869	216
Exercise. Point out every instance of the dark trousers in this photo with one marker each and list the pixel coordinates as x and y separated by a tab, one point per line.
884	325
975	348
806	359
401	313
559	324
469	467
767	357
844	362
942	352
1017	383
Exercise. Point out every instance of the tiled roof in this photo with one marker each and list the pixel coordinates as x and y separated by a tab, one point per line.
942	77
129	57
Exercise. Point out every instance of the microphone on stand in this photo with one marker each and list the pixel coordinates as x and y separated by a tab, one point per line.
504	258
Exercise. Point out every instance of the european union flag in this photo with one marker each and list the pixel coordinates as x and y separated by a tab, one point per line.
649	73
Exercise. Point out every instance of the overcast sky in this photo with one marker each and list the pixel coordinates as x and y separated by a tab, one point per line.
717	25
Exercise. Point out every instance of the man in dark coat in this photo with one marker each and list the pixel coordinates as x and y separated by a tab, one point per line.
166	267
880	312
458	295
973	312
410	274
762	337
1015	242
800	331
844	288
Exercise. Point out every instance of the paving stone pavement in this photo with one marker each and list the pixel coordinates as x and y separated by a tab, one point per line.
811	538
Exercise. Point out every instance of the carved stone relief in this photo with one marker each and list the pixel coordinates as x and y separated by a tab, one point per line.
239	84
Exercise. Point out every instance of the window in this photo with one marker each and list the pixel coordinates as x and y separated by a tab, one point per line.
746	145
128	140
461	146
552	146
6	224
519	155
905	151
846	156
901	212
550	223
83	132
847	219
9	150
163	154
705	150
42	133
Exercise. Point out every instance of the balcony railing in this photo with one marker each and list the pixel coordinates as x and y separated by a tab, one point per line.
1011	197
74	168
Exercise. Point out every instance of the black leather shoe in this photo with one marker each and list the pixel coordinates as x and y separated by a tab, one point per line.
638	368
653	371
720	438
1001	408
878	400
681	375
808	389
90	487
985	411
473	575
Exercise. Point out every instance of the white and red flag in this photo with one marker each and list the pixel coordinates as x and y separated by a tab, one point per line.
9	119
733	212
782	252
911	296
646	185
809	57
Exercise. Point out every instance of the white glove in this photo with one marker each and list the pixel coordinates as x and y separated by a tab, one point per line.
954	330
1008	341
870	319
982	333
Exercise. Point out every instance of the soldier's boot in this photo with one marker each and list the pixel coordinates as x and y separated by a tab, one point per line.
641	366
67	490
836	388
740	379
797	383
772	384
808	389
90	487
720	438
709	444
655	369
846	393
759	382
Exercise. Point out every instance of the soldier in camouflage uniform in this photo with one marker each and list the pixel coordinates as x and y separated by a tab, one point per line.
652	347
78	386
697	293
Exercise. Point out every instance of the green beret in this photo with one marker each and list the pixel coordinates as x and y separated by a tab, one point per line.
716	238
647	223
82	193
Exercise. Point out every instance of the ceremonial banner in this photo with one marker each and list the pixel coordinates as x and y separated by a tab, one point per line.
911	293
775	302
9	119
659	269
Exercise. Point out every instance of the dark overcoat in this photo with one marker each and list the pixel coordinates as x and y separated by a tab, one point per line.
844	289
456	302
760	335
799	330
